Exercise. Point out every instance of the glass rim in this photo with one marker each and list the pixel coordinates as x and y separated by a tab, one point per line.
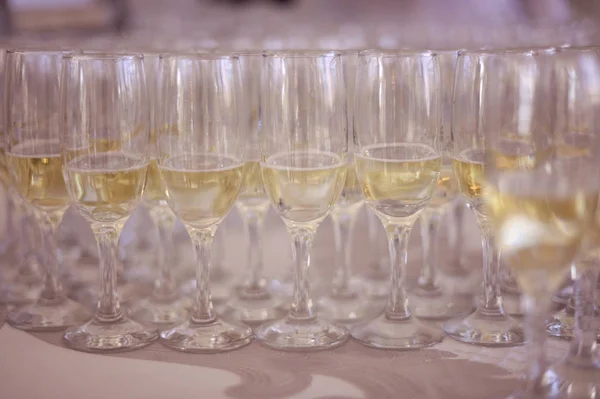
38	51
529	51
397	53
102	55
292	53
208	56
570	49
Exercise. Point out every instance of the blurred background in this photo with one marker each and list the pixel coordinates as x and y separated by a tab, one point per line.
273	24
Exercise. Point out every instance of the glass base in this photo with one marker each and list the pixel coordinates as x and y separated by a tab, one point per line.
562	297
384	333
48	316
216	336
561	324
486	330
513	306
17	293
343	309
255	310
291	334
128	293
570	381
121	335
161	314
435	305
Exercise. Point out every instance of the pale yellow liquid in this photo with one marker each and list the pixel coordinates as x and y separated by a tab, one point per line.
398	180
106	186
447	188
538	228
155	191
36	170
252	195
352	196
468	169
304	186
202	188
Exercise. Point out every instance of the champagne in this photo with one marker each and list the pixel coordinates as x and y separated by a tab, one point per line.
446	189
398	180
202	188
351	197
155	191
468	169
36	169
252	195
106	186
304	186
540	218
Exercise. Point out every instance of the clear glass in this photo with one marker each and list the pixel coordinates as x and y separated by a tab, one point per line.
539	112
345	300
33	161
303	146
377	276
200	159
397	119
105	154
165	307
488	325
254	300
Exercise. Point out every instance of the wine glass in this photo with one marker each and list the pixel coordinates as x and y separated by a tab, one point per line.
105	154
165	306
303	163
33	161
376	277
345	301
200	159
254	301
397	119
542	193
488	325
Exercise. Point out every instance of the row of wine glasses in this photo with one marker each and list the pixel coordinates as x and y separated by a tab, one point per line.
80	129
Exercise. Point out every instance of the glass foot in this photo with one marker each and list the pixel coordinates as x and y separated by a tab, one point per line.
435	305
291	334
48	315
255	310
344	307
570	381
512	304
121	335
161	314
384	333
216	336
561	324
486	330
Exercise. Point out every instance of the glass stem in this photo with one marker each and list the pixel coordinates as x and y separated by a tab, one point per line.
302	306
397	304
378	268
203	310
582	350
107	238
537	308
490	302
29	267
456	236
429	227
164	285
255	284
343	224
52	291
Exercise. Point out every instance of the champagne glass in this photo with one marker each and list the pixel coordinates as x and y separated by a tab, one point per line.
165	306
542	195
105	141
398	128
488	325
303	146
345	301
33	160
200	159
376	277
254	302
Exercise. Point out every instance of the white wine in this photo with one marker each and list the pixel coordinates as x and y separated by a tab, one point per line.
202	188
398	180
468	169
304	186
155	191
352	197
106	186
252	195
540	218
36	169
446	189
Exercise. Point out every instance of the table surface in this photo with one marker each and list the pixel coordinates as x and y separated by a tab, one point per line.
39	366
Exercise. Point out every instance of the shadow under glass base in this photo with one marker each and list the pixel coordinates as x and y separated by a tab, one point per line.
292	334
46	315
385	333
216	336
486	330
123	334
160	313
